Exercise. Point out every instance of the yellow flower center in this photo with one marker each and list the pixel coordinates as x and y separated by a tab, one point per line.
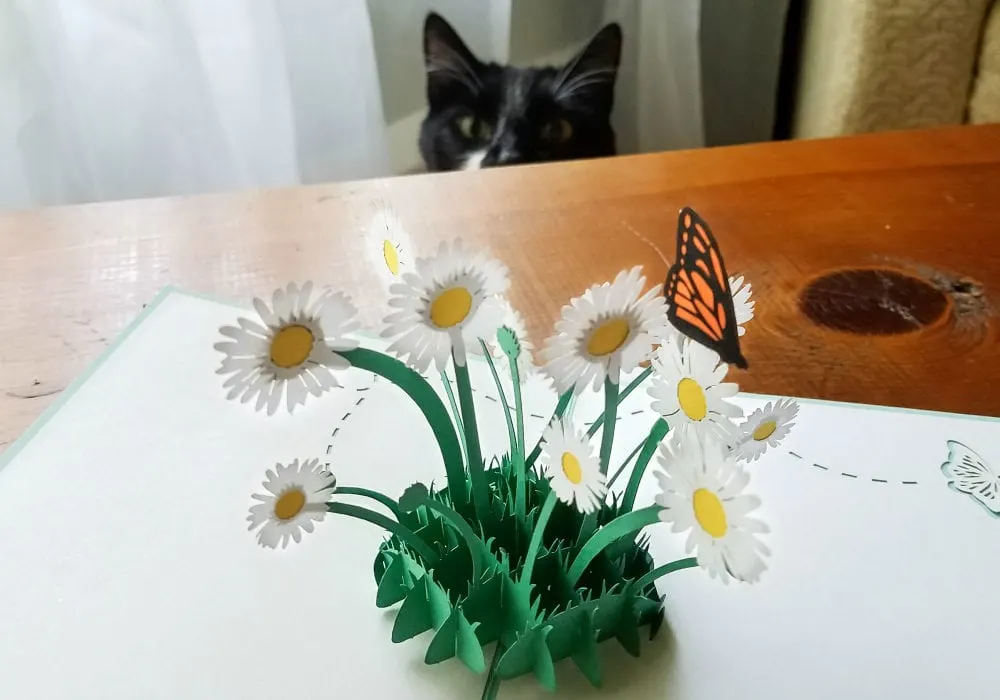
290	504
391	256
571	468
691	398
764	430
291	346
709	513
608	337
451	307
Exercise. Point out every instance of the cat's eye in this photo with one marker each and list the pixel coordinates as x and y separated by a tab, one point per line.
475	129
557	131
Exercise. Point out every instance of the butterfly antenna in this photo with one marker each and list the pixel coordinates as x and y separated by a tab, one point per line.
646	241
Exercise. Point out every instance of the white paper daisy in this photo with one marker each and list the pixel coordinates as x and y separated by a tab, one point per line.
525	360
446	304
687	390
702	493
572	468
294	352
605	332
296	498
766	427
388	245
742	304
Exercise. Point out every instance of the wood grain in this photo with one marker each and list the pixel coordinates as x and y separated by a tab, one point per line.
926	203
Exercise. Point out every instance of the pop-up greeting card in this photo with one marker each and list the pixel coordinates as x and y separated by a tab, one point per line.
524	551
271	500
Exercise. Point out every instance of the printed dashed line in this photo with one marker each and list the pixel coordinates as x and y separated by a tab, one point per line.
637	413
336	429
490	398
849	475
535	415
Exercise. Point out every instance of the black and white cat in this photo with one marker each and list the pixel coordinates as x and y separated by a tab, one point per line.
484	114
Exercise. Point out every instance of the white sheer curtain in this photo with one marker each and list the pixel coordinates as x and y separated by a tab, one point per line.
658	103
111	99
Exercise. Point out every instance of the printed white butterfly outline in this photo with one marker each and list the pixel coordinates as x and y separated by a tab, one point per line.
968	473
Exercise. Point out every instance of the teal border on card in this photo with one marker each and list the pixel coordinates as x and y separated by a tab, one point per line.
11	452
24	438
876	407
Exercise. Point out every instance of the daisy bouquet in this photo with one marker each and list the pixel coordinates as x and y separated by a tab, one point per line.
538	553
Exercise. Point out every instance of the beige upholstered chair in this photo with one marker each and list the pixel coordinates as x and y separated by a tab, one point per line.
876	65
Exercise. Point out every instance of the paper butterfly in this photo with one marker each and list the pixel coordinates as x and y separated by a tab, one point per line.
967	473
700	302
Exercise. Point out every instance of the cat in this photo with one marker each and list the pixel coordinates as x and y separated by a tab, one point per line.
483	115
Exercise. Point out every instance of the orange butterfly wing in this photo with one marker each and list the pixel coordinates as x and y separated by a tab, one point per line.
697	290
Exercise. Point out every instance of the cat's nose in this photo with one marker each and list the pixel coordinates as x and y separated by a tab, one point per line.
498	156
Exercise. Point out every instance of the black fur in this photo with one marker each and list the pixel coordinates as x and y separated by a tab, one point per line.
516	115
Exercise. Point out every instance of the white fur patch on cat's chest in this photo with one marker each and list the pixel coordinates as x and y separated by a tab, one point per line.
475	160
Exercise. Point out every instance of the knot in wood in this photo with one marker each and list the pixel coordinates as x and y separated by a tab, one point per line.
872	302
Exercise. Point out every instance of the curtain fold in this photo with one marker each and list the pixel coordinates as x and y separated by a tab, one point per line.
659	95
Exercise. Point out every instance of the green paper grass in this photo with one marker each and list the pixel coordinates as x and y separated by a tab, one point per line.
555	620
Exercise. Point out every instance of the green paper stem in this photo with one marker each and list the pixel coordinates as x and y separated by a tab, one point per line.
661	571
621	526
429	403
456	413
386	523
478	550
493	680
611	413
561	407
656	434
629	388
477	475
631	455
390	503
501	396
536	540
571	407
521	494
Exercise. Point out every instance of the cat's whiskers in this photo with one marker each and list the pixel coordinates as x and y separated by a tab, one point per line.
484	115
566	72
447	69
579	82
458	63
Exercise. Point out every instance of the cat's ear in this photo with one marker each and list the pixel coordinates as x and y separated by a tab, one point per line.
449	63
589	77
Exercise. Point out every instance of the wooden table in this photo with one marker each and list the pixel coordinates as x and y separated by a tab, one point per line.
925	204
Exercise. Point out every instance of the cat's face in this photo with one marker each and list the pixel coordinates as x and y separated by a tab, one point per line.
483	114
